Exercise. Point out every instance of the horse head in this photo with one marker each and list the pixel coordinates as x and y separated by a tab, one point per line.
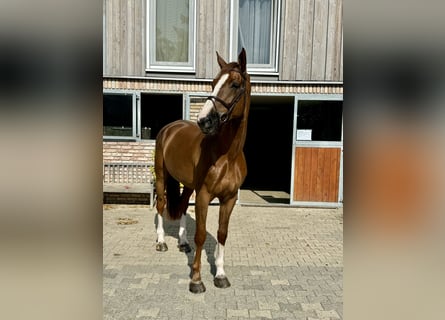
227	100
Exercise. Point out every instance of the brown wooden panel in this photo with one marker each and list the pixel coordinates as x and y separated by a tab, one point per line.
335	173
325	184
307	155
313	173
316	174
320	175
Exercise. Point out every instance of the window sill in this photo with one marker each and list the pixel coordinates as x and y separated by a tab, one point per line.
171	69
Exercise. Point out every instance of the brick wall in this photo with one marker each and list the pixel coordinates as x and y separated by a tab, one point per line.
126	151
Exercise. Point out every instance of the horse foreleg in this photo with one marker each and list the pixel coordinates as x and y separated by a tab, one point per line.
225	211
196	285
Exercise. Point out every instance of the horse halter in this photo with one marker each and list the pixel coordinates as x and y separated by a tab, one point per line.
229	106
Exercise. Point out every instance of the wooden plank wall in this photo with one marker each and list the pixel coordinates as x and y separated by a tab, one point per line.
317	172
213	28
124	37
311	41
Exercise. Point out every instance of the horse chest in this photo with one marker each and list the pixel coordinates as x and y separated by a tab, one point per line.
224	178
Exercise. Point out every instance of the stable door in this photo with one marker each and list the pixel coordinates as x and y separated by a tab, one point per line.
318	152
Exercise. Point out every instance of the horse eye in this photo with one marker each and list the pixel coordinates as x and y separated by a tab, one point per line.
235	84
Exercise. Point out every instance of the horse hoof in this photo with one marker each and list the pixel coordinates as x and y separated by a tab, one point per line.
185	247
197	287
161	246
221	282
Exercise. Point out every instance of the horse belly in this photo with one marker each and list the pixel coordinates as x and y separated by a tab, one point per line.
182	172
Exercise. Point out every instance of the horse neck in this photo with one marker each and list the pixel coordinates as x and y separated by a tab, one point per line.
233	135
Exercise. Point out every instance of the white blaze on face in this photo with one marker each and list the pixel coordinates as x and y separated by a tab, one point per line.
208	106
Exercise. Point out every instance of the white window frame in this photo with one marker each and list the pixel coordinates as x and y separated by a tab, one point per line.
134	112
271	68
151	63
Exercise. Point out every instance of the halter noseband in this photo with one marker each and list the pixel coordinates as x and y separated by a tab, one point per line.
229	106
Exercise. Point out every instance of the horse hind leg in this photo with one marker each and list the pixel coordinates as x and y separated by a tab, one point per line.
160	204
184	245
160	241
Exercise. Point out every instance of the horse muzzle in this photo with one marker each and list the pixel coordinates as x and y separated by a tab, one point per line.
210	123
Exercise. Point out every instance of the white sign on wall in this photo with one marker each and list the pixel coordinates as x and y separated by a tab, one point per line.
304	134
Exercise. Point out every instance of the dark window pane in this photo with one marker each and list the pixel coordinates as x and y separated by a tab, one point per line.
323	118
117	115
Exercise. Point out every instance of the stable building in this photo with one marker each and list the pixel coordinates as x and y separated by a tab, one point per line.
159	61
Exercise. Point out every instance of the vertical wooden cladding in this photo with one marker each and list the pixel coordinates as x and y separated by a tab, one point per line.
305	39
311	40
124	37
319	52
334	44
317	173
289	39
213	28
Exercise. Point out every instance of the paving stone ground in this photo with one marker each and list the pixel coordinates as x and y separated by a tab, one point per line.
283	263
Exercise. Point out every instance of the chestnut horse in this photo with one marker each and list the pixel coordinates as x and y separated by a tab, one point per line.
207	157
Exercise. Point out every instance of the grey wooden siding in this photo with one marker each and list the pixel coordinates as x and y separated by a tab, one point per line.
124	37
311	40
213	28
310	49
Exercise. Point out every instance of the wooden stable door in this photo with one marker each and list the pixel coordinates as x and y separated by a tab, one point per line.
317	172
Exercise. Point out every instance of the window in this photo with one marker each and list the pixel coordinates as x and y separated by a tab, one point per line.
131	116
171	35
255	28
119	115
319	120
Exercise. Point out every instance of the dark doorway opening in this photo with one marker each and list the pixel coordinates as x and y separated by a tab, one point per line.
157	110
268	149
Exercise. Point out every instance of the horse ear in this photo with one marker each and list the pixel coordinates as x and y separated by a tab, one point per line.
221	61
242	60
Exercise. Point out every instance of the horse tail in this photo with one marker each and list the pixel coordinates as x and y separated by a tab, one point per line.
173	198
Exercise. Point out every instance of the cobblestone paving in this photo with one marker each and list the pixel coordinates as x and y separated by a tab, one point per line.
283	263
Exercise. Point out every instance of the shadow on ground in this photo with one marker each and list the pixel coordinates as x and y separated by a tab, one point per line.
171	228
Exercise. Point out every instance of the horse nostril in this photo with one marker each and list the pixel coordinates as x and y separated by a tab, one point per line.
209	123
204	123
